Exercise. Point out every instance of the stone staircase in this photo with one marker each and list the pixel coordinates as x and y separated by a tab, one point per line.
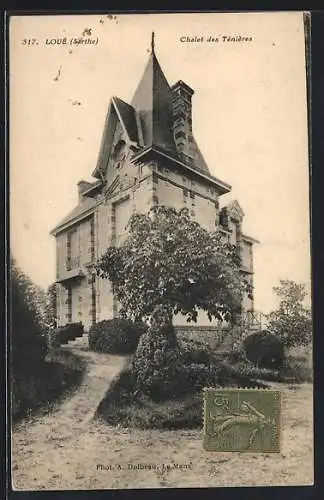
81	341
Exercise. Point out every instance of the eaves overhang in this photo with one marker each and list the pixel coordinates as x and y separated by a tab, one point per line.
62	227
250	239
221	186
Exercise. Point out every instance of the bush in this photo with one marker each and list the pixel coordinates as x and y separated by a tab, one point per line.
249	370
63	334
200	375
196	351
28	340
46	383
204	368
124	406
157	363
115	336
298	366
264	349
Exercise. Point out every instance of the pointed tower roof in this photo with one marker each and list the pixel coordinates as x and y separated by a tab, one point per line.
153	102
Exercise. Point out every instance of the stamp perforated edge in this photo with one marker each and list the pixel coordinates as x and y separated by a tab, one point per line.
242	389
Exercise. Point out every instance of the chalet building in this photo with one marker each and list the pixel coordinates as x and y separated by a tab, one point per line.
148	155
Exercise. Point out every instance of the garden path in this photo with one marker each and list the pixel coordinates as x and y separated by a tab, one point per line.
44	447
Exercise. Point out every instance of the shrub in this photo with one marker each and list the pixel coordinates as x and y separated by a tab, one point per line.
124	406
115	336
200	375
46	383
298	367
195	351
63	334
28	340
204	368
157	363
264	349
249	370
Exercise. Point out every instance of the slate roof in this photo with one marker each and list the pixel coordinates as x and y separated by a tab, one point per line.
199	162
128	116
153	102
82	209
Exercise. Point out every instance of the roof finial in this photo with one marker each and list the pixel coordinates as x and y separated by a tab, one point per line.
152	43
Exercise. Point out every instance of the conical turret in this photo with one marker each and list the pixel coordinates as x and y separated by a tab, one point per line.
153	102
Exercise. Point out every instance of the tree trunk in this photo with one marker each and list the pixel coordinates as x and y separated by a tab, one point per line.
161	323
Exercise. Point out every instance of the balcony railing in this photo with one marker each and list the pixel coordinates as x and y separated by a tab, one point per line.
253	320
72	263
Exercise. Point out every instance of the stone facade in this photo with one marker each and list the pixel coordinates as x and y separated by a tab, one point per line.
142	161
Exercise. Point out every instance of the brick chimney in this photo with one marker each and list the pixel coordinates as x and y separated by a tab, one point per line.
182	120
82	187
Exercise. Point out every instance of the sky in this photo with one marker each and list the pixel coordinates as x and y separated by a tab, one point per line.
249	119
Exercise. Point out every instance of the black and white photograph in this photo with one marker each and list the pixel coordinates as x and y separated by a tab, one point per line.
160	266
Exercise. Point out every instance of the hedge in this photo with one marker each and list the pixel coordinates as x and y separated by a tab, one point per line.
264	349
63	334
116	336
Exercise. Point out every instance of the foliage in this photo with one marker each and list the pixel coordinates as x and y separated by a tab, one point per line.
293	370
229	368
28	339
157	364
297	370
251	371
291	322
124	405
298	364
163	369
35	382
195	351
51	305
264	349
63	334
46	383
115	336
170	260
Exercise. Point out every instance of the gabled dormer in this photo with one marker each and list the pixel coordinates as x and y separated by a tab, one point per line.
121	137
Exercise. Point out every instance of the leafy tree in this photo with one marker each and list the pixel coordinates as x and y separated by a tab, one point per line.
51	306
170	261
28	338
168	265
291	322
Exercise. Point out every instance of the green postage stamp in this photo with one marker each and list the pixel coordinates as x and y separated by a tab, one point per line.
242	420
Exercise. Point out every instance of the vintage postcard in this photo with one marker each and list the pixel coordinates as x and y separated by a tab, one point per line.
161	328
